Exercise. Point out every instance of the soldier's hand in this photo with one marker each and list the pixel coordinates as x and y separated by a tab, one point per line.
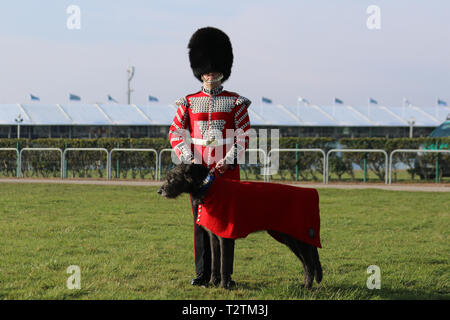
221	166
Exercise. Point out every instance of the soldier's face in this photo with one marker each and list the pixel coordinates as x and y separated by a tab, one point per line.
211	76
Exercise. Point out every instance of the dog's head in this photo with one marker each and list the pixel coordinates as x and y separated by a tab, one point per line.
184	178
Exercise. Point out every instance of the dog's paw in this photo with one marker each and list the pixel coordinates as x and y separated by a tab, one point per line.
309	279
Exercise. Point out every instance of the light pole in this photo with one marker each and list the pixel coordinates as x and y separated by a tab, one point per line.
18	120
130	71
411	123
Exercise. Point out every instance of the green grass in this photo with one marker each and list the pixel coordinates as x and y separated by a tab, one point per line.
132	244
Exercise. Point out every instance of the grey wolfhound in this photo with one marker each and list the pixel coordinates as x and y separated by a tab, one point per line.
233	209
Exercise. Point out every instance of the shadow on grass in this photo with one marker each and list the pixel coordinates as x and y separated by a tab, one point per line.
351	292
295	290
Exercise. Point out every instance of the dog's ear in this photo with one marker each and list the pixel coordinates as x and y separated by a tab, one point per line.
188	172
195	173
199	170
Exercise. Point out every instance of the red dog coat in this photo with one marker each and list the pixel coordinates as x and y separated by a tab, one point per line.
234	209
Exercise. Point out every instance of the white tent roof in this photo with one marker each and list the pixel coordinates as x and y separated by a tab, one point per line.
264	114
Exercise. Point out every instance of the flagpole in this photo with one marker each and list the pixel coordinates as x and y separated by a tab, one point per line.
260	107
404	106
436	109
334	106
130	71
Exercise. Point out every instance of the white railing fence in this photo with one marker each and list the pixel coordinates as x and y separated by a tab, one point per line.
267	161
61	164
64	157
360	151
418	151
132	150
274	166
261	156
174	158
17	159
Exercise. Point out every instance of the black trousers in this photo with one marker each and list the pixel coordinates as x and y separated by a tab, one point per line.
202	248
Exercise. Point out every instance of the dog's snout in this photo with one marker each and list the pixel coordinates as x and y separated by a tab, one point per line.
159	191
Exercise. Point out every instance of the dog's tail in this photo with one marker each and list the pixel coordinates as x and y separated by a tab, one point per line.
317	265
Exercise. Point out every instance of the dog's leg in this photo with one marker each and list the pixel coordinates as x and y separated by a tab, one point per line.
308	255
318	269
227	259
289	242
304	252
215	259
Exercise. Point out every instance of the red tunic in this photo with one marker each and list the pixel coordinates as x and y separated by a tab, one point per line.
207	115
234	209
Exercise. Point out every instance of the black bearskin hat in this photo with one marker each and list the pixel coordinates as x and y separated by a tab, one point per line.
210	51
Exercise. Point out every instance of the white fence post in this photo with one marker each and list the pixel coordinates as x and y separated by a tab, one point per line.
386	169
159	160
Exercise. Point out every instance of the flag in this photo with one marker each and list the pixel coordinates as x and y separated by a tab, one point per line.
300	99
441	102
74	97
371	100
111	99
406	102
151	98
34	98
336	100
266	100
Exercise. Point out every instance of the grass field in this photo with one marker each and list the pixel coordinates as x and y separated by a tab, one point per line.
132	244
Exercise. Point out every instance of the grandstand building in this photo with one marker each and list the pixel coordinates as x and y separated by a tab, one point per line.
78	120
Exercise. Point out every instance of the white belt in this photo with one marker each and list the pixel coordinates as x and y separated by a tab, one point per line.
212	141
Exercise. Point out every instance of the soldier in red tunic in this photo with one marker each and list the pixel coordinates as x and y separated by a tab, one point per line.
209	126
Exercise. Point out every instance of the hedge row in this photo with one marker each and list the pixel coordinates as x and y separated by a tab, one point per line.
387	144
107	143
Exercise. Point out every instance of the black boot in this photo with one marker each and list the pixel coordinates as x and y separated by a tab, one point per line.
201	280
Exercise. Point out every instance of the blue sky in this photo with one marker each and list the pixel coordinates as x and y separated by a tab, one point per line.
283	49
